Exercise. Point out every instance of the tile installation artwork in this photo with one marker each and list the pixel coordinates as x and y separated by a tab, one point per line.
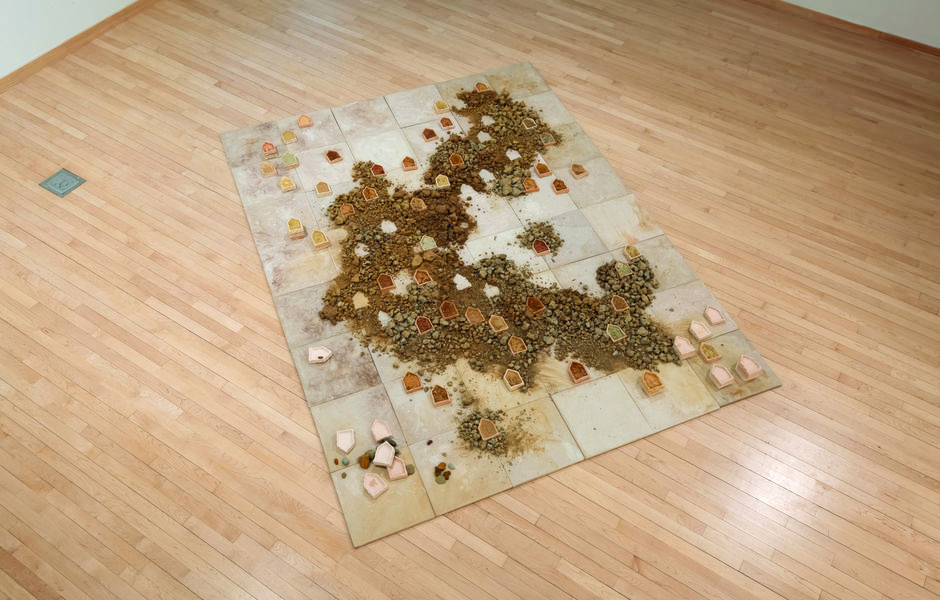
472	297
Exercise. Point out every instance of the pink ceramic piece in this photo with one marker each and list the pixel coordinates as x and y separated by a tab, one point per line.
713	316
380	430
699	331
748	368
683	347
720	376
384	454
513	380
374	485
397	470
346	440
318	354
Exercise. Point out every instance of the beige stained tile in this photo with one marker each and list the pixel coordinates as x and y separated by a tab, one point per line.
685	396
554	448
731	346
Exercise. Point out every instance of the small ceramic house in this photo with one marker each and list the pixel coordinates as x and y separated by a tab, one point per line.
618	303
481	87
513	380
748	368
559	187
455	160
423	324
528	123
720	376
422	277
547	139
380	430
412	382
290	160
397	470
378	170
683	347
632	252
578	171
446	123
385	282
374	485
409	164
384	454
289	137
498	324
369	194
347	209
487	429
318	355
418	204
333	157
448	310
651	383
517	345
295	229
713	316
542	170
578	372
442	181
440	107
529	185
615	333
268	169
623	269
428	135
699	331
439	396
534	305
323	189
269	150
319	240
303	121
287	184
474	316
540	248
346	440
427	243
708	353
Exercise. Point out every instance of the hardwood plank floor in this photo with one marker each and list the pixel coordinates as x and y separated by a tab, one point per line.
154	439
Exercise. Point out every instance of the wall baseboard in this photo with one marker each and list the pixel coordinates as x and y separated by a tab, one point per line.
812	15
72	43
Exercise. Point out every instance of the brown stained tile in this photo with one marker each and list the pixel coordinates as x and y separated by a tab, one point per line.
559	187
534	305
409	164
411	382
708	353
333	157
378	170
651	383
347	209
542	170
487	429
540	248
422	277
517	345
529	185
446	123
268	150
474	316
618	303
423	325
578	171
513	380
578	372
323	189
455	160
369	194
428	135
439	396
385	282
448	310
418	204
498	324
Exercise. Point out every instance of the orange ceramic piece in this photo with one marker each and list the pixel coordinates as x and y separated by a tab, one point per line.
439	396
332	156
412	382
529	185
542	170
378	170
303	121
534	305
559	187
409	164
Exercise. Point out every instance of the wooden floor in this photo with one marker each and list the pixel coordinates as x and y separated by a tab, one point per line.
154	440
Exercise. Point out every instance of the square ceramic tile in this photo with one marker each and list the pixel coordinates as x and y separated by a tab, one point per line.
387	148
414	106
554	447
731	346
350	370
475	475
601	415
520	80
621	221
365	117
560	421
403	504
666	262
684	397
356	411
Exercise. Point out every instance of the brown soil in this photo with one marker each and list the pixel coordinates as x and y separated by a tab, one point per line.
513	438
540	230
573	323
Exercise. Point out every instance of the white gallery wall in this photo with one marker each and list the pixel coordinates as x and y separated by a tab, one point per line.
30	28
917	20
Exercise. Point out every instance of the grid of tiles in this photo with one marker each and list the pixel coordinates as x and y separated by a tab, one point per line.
596	218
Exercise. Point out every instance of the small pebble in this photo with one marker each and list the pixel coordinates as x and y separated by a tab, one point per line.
345	460
430	442
343	474
410	469
440	479
450	466
335	461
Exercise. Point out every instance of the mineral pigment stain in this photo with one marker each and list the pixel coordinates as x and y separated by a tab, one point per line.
572	325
